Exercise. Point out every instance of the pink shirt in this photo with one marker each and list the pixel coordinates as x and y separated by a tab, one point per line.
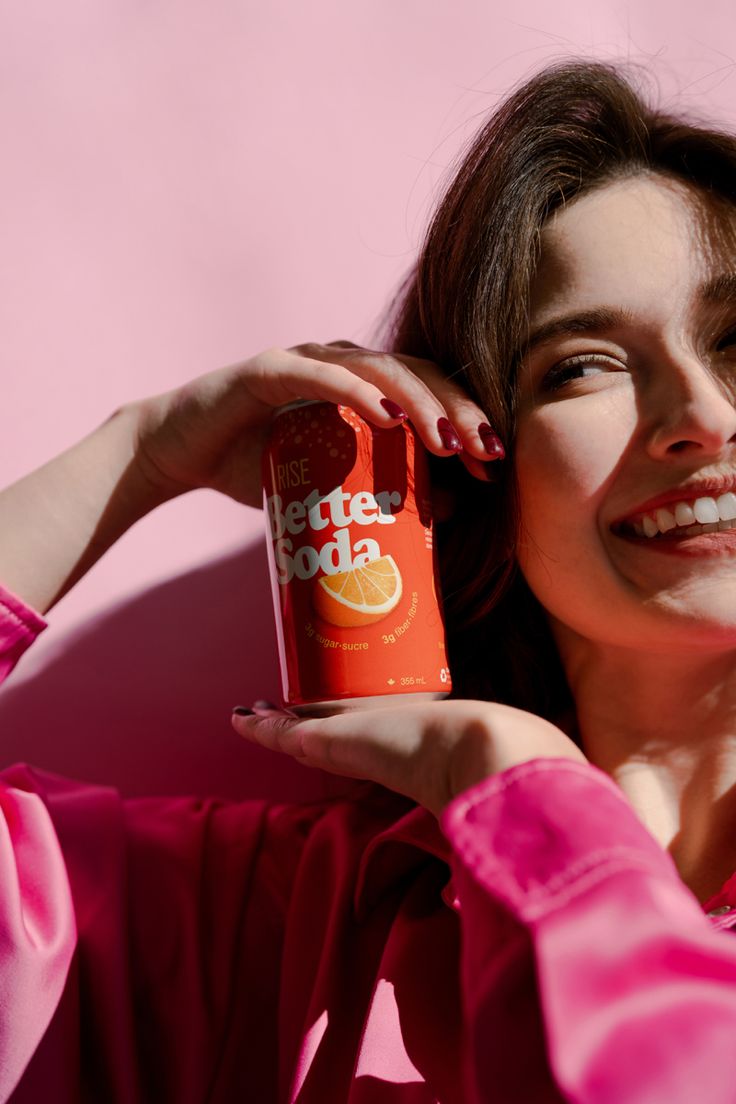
537	945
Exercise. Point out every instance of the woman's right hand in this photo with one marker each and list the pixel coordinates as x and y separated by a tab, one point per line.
211	431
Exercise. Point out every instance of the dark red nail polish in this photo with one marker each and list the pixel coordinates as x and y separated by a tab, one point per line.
491	441
261	704
242	711
393	409
450	436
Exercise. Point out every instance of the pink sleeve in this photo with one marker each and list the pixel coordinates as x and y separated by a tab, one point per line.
578	929
139	938
37	928
19	627
171	910
37	925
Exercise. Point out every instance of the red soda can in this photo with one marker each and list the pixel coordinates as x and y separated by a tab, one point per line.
352	561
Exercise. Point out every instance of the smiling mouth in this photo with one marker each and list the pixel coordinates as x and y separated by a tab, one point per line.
682	519
636	532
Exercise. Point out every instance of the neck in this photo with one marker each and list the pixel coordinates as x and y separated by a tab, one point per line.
663	726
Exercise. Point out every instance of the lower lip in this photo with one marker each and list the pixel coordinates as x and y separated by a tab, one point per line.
703	544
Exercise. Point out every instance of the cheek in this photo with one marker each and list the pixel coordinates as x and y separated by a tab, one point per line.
565	454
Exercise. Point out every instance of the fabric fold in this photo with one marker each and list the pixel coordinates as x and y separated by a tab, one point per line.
37	929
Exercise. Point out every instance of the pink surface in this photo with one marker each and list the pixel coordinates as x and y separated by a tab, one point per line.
184	185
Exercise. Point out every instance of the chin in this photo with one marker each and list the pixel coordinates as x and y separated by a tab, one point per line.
703	627
652	626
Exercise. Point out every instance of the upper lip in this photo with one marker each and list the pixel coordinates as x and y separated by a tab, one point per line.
710	487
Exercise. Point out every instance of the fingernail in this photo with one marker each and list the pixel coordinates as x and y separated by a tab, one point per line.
393	409
242	711
450	436
491	441
261	704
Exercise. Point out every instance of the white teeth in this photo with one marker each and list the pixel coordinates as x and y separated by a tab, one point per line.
703	513
691	531
726	506
684	514
665	521
705	510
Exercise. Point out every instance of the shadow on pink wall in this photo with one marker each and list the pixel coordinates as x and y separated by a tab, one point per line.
140	696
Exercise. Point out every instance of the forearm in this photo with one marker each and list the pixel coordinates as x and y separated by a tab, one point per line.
58	521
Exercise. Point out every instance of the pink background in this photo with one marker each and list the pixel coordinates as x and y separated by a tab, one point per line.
184	184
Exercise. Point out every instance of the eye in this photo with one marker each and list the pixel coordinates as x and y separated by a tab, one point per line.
574	367
728	338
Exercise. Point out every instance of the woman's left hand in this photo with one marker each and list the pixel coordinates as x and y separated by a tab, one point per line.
429	752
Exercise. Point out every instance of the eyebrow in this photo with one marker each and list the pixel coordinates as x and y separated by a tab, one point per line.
718	289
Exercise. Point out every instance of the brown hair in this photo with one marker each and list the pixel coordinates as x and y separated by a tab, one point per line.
572	127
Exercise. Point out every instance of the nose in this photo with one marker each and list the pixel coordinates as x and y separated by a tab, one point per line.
690	410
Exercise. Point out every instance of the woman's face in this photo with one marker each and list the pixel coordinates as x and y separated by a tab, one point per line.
649	407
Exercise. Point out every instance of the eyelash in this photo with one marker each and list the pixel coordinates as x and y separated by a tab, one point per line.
558	375
728	337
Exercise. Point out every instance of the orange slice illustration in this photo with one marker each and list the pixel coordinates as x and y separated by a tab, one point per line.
359	597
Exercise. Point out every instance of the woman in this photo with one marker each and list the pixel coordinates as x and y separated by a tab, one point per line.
529	904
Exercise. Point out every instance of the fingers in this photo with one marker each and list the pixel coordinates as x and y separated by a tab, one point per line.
307	740
342	744
271	727
445	417
281	376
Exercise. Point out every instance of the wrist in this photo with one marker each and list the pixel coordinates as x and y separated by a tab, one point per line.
498	737
141	491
